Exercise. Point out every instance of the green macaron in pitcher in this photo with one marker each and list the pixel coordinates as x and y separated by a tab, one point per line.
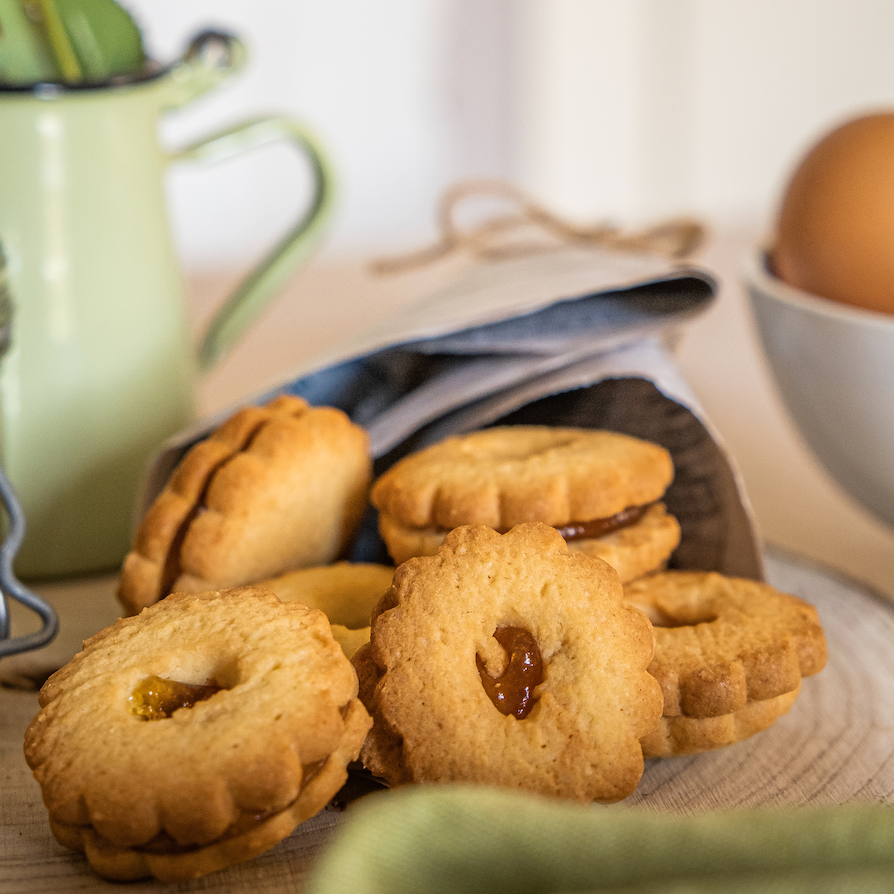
101	365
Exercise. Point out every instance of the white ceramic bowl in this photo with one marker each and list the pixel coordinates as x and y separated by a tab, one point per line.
834	366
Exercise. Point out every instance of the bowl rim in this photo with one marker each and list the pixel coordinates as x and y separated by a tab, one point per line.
757	274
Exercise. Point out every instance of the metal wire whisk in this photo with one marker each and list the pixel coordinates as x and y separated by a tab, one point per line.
10	586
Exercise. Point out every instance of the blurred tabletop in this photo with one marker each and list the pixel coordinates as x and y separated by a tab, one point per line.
797	506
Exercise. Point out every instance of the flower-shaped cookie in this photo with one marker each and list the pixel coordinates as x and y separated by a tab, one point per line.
273	488
508	660
730	656
195	735
600	489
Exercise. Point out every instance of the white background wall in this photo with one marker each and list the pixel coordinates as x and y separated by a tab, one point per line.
629	110
656	106
369	78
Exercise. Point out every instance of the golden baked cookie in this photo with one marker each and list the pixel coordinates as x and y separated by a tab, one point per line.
346	592
507	660
272	489
196	734
692	735
730	656
600	489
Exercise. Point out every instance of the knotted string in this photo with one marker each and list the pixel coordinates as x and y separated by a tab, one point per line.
530	228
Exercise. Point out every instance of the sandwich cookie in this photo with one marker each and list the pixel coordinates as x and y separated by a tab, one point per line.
601	490
195	735
508	660
730	656
274	488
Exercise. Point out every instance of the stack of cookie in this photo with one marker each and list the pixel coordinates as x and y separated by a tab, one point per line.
528	635
729	654
201	730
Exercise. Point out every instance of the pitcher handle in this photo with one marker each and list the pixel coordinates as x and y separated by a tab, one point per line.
274	270
211	58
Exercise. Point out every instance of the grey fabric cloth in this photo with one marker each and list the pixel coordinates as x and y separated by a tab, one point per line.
600	359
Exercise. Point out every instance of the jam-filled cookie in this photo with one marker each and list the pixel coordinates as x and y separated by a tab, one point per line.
347	592
601	490
507	660
274	488
730	656
195	735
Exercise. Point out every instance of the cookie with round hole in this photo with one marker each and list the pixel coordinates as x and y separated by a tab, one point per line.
730	656
273	488
196	734
508	660
602	490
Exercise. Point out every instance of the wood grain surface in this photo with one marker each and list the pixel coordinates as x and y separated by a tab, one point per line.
836	744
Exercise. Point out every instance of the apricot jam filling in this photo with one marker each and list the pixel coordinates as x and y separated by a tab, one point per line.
156	698
513	691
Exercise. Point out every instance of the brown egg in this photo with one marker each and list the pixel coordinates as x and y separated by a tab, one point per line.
835	234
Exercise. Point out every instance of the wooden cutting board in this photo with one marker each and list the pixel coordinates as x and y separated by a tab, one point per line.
836	745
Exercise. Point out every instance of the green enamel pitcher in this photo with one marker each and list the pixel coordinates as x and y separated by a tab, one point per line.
101	366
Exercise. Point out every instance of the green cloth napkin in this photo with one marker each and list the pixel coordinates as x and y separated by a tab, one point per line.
461	839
